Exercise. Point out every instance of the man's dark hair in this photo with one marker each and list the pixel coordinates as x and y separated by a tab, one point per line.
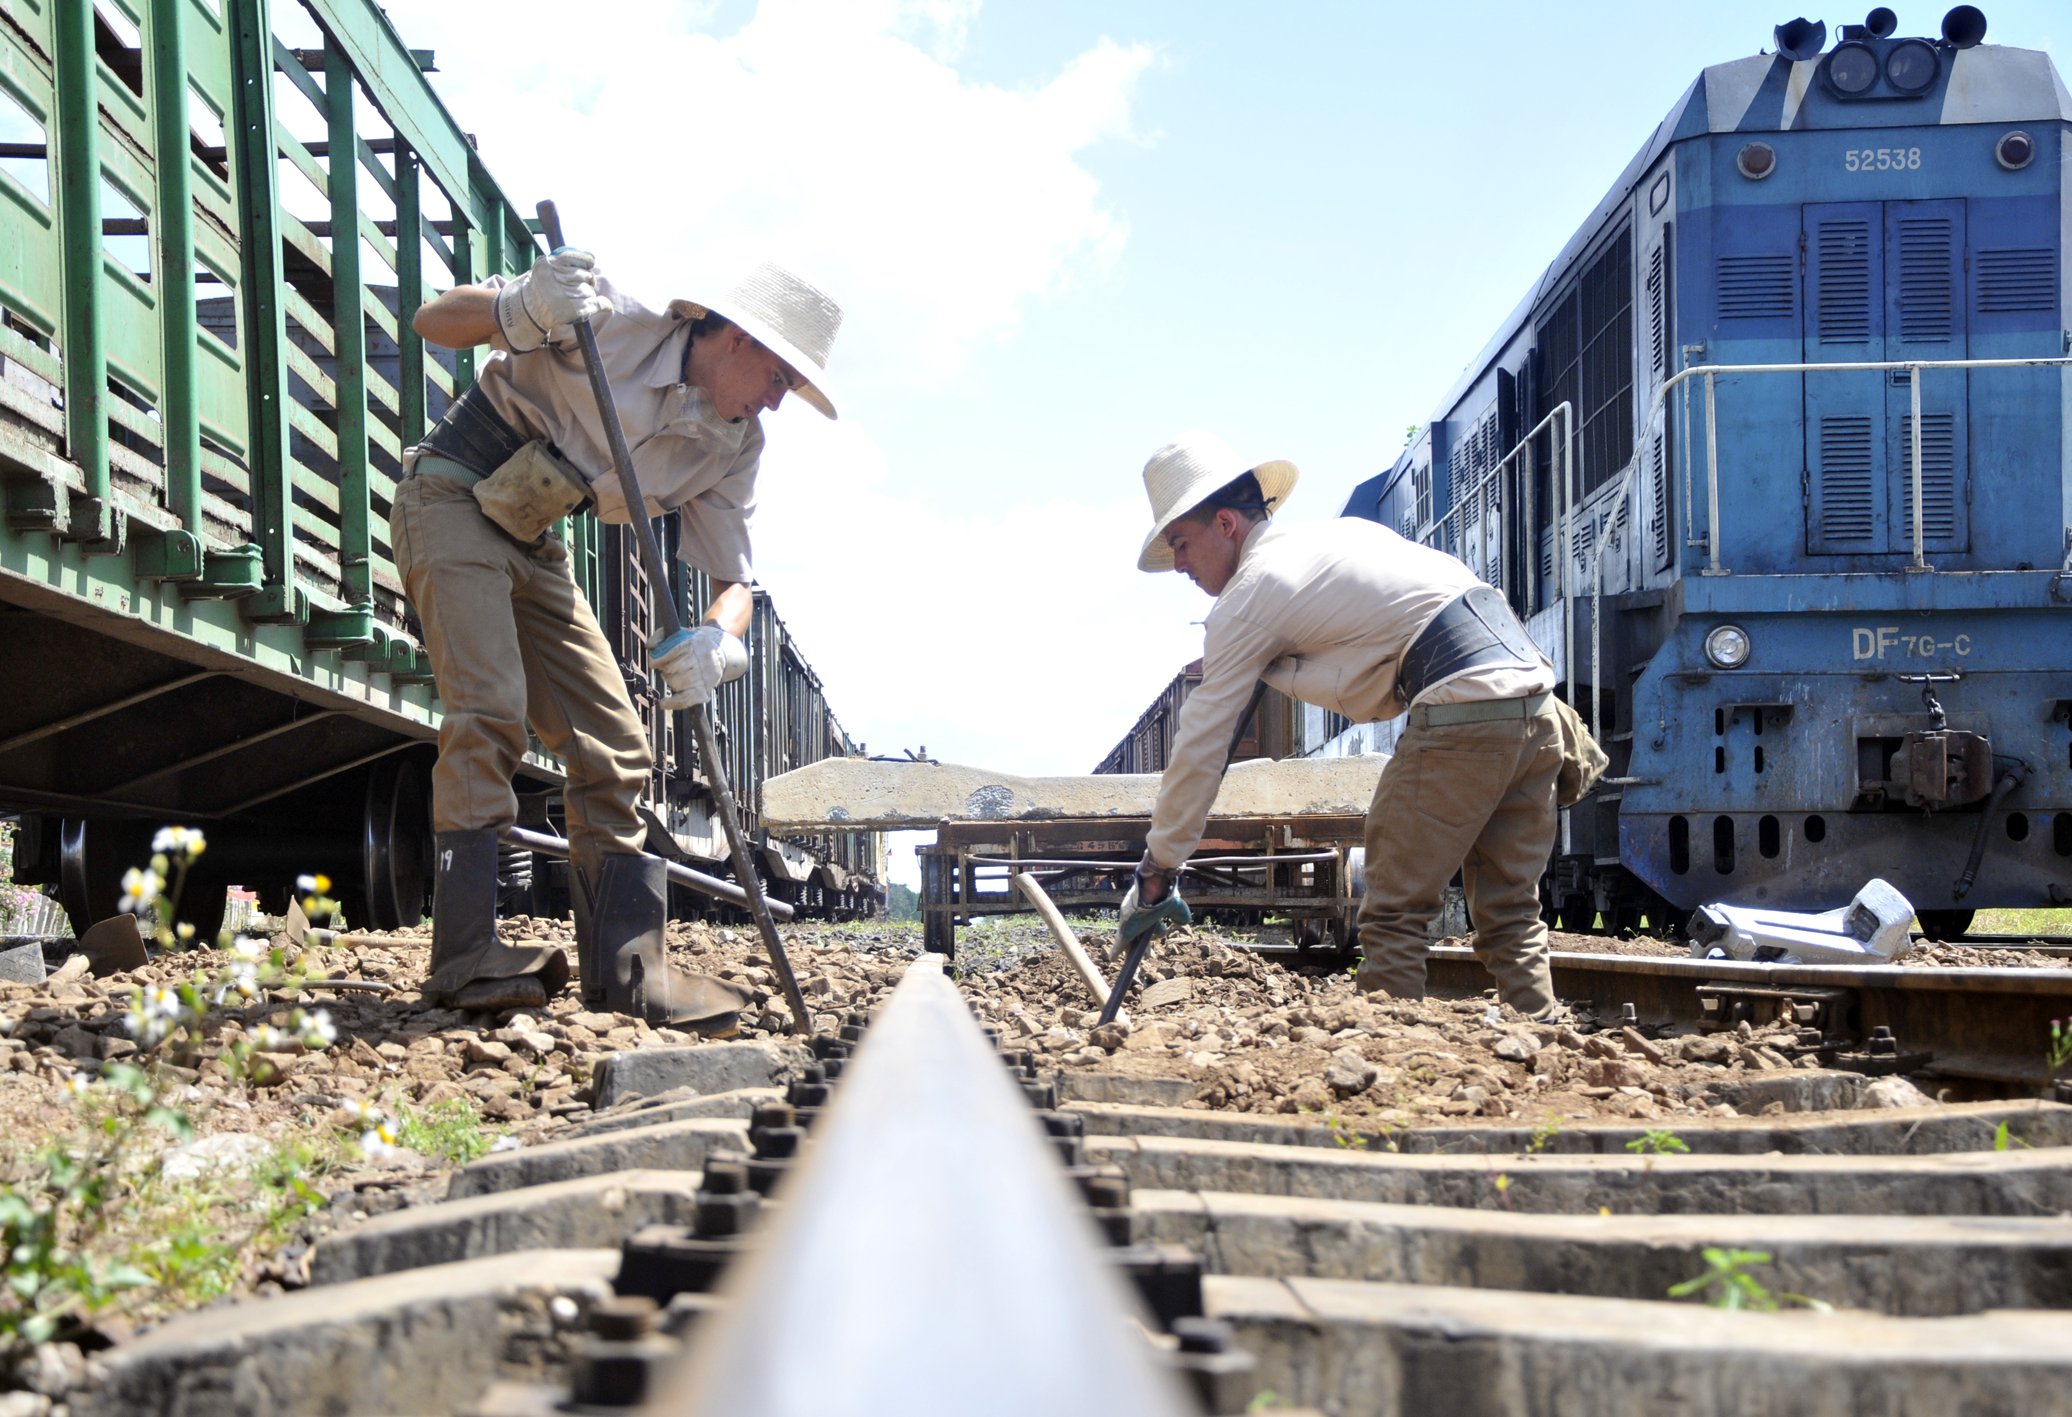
709	323
1241	494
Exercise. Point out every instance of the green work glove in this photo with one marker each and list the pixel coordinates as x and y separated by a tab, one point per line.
1139	920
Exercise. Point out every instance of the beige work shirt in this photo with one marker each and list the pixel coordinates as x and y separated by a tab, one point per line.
1323	612
685	456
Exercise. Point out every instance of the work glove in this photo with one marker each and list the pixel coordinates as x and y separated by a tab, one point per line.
693	663
1139	919
559	290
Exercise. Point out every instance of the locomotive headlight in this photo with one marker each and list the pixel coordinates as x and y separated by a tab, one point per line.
1727	646
1911	65
1852	68
2015	150
1756	161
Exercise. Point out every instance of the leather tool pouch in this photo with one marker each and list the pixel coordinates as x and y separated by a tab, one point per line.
534	488
1582	761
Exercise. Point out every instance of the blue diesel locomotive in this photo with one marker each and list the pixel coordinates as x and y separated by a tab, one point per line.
1776	463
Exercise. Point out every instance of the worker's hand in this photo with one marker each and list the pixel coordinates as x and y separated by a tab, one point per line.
1153	903
694	663
559	290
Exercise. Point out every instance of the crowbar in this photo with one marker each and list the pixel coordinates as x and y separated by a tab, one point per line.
665	603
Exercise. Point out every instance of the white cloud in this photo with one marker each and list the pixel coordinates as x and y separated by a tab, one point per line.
1000	628
1003	630
834	134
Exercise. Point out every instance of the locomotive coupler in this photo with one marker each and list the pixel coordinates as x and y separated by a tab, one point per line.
1941	767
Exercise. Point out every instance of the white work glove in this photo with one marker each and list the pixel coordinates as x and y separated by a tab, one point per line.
559	290
693	664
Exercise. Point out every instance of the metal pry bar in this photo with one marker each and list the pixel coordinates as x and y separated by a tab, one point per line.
549	845
701	721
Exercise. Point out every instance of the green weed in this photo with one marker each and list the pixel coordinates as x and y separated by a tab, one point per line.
452	1131
1728	1284
1657	1141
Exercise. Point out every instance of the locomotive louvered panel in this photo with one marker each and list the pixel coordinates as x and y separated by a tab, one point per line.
1658	312
1657	293
1755	287
1927	295
1847	503
1844	292
1938	477
2010	281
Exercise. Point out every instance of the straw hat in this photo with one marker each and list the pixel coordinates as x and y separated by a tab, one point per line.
1184	472
792	317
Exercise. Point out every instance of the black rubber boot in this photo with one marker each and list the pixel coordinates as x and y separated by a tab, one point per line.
627	921
471	968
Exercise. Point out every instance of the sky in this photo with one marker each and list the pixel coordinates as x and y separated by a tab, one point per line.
1063	232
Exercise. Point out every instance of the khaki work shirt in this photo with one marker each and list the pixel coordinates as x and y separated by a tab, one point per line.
684	454
1323	612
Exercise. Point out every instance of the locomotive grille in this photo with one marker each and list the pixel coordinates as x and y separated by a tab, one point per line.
1846	465
1755	287
1845	282
1927	297
2011	281
1938	475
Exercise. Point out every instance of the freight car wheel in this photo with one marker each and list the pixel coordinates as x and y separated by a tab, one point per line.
1946	924
395	848
92	856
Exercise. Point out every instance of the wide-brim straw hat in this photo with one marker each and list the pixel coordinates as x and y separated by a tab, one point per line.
793	318
1182	474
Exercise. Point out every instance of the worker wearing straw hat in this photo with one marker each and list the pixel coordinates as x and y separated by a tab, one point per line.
1350	616
513	642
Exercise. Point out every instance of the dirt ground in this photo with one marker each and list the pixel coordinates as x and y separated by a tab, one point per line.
1253	1032
1258	1032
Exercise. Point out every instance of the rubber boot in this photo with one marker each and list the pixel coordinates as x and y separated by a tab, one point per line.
627	920
471	968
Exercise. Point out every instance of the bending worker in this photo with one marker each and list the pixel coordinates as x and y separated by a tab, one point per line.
512	640
1350	616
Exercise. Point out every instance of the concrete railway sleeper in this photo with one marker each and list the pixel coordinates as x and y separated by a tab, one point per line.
867	1223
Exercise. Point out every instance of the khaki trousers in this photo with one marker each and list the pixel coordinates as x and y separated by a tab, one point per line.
1473	797
512	641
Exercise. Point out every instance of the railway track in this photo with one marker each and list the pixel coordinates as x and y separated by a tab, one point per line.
877	1224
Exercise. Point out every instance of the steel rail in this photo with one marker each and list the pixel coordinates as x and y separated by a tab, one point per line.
1986	1026
929	1256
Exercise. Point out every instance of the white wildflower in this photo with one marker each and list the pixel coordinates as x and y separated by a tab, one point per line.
140	889
379	1139
266	1038
243	981
316	1029
248	947
184	842
79	1084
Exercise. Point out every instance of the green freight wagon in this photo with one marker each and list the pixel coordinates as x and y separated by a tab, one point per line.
205	395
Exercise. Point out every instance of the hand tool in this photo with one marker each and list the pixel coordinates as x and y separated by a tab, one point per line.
665	604
547	844
1127	975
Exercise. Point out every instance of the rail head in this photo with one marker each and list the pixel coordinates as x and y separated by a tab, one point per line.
930	1255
